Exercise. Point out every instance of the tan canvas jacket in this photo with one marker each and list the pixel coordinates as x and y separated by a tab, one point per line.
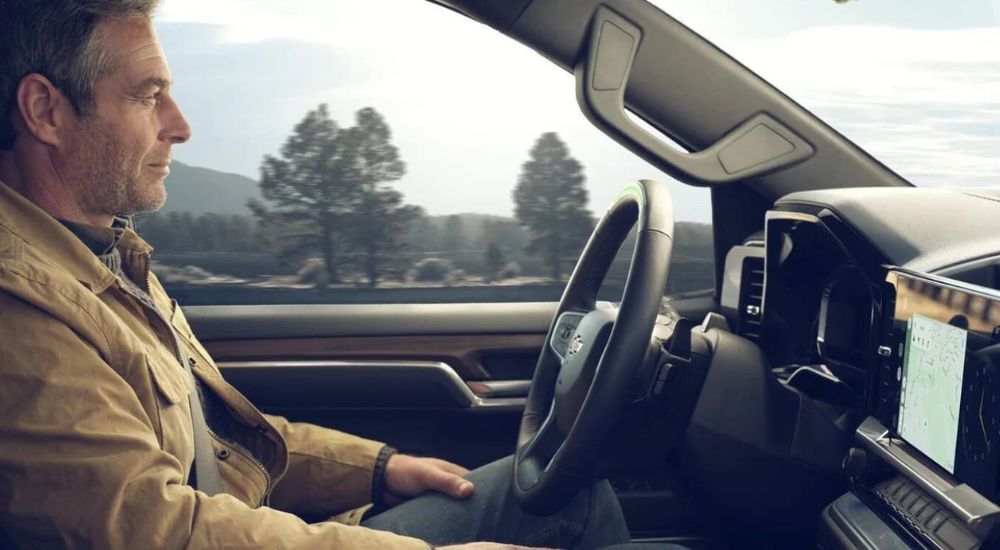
95	426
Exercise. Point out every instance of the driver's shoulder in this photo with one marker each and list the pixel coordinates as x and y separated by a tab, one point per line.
45	305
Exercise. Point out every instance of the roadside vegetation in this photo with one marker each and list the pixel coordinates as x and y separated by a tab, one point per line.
329	217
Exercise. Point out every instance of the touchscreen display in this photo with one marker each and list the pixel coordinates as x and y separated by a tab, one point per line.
931	388
945	342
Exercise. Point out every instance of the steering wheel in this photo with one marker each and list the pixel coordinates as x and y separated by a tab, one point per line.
585	374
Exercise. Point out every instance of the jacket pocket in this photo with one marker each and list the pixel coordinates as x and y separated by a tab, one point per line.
170	379
173	415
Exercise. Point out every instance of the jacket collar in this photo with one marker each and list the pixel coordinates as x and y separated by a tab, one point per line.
100	240
43	232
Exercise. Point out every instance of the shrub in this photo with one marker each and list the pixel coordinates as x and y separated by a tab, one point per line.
313	272
510	271
172	274
432	269
456	276
194	273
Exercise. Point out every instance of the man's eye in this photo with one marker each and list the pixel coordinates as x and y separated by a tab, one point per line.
153	99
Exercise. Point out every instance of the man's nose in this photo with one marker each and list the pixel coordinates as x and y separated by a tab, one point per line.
175	127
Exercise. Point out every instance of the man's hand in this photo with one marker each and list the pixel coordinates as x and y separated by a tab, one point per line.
410	476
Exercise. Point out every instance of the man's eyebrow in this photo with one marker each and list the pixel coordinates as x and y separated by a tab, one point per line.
155	81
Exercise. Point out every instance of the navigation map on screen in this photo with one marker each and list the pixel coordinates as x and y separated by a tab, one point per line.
930	400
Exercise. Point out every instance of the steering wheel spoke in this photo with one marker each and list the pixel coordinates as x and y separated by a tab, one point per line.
537	454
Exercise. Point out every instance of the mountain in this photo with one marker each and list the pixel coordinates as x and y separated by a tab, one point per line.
201	190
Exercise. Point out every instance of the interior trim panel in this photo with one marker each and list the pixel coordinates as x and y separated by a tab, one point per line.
973	509
310	321
849	523
474	357
360	385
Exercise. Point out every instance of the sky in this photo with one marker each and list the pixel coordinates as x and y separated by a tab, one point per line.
916	82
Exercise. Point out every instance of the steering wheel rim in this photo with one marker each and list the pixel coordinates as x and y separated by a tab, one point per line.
577	397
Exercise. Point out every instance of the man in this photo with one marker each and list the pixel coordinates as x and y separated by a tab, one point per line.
116	428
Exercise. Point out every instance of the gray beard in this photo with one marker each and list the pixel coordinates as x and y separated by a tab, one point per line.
107	182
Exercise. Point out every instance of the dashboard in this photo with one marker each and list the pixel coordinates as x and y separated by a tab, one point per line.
870	292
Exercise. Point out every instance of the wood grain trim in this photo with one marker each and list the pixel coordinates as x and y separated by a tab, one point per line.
464	353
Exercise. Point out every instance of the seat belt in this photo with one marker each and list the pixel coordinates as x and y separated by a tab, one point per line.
207	478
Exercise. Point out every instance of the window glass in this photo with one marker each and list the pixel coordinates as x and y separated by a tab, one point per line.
422	158
914	83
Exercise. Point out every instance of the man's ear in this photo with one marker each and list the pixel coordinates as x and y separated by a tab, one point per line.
43	108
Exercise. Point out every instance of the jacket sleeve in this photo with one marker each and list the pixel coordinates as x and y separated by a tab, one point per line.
328	472
80	464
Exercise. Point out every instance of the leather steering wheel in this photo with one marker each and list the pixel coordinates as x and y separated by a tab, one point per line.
585	374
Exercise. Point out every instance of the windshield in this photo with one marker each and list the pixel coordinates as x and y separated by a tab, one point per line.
915	83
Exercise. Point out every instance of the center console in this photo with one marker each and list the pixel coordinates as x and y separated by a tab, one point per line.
927	458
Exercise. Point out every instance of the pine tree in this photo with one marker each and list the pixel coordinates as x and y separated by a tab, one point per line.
379	216
328	193
493	261
551	201
454	234
307	187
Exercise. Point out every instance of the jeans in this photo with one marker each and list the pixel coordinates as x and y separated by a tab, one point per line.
592	519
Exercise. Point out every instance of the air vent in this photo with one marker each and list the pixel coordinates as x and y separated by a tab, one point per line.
751	306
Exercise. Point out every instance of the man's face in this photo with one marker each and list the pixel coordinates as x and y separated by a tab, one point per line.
118	153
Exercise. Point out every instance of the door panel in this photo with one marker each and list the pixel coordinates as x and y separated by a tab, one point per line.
446	380
438	379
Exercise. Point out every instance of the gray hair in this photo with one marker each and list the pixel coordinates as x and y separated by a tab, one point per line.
58	40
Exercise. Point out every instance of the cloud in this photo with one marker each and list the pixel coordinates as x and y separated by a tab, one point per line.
465	103
242	99
464	126
724	21
925	102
